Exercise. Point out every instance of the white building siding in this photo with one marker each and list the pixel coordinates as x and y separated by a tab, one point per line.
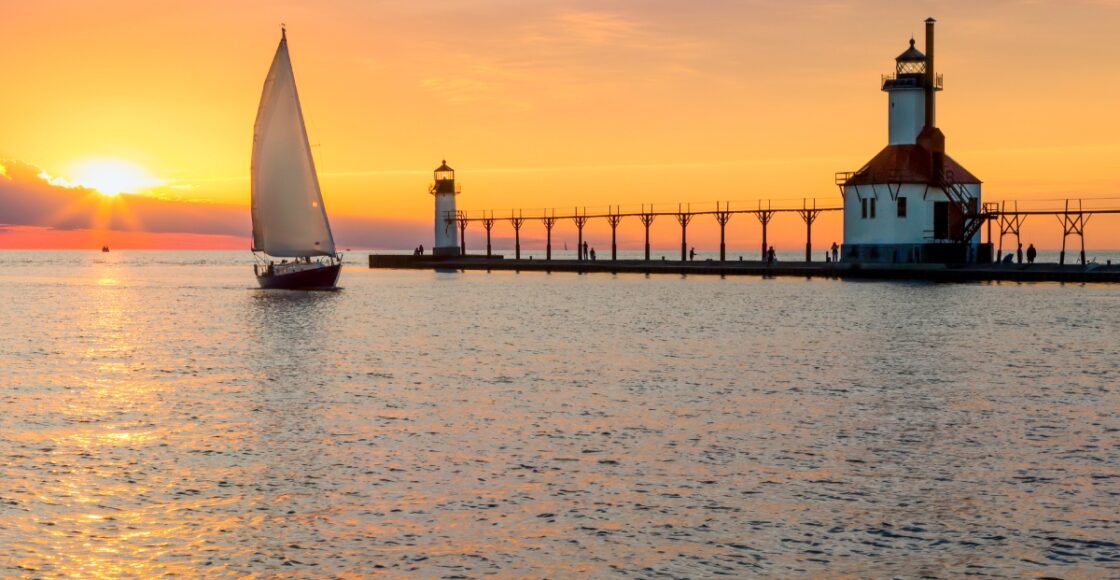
886	227
447	235
907	115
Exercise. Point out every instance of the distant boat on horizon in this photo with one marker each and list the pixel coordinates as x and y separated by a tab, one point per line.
105	249
289	217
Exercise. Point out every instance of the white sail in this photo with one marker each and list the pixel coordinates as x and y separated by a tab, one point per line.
289	218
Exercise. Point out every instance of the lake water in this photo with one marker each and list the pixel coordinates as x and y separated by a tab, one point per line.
159	414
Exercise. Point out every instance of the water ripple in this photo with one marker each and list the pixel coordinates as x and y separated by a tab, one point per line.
161	416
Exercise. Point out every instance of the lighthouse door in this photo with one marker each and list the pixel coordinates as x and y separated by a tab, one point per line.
940	220
948	221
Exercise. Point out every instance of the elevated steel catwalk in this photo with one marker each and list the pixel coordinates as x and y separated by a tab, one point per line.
1073	217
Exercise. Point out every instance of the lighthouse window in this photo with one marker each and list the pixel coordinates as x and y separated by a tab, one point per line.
863	208
911	68
902	207
873	208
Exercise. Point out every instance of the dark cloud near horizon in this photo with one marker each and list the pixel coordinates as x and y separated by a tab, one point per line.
27	199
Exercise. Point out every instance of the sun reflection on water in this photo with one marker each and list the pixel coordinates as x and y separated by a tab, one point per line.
99	494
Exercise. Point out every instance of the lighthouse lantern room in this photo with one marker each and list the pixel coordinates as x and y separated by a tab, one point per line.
912	202
444	190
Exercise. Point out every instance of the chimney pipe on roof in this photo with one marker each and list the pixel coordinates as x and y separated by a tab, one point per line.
931	78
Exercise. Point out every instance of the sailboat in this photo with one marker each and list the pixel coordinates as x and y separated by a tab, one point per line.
289	218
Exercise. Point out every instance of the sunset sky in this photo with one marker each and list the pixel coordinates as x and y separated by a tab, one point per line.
536	104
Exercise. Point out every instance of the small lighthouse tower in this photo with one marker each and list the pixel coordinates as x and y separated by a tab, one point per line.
906	96
912	202
445	190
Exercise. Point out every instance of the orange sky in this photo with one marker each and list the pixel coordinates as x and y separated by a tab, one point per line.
560	103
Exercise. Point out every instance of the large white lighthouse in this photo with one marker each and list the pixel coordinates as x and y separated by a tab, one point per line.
444	190
912	202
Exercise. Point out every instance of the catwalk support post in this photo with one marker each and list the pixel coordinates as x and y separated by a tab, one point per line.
613	218
647	221
1073	223
809	214
1010	222
684	217
488	223
764	216
463	232
517	221
549	221
581	220
723	216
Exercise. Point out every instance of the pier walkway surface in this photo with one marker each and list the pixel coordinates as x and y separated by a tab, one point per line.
1037	272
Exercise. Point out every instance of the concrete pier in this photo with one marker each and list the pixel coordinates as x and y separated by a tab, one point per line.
1038	272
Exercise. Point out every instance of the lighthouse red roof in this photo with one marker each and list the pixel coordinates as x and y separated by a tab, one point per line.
907	164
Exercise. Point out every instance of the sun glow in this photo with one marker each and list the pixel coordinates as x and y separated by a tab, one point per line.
111	177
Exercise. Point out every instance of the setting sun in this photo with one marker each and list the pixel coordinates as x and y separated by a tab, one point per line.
112	177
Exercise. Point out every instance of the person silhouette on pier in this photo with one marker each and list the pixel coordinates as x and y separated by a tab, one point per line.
592	254
770	255
692	254
1031	254
1019	254
835	252
585	254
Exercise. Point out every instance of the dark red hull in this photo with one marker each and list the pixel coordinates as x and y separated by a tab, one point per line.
323	278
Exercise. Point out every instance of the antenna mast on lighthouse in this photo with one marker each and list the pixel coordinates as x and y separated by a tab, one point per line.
931	77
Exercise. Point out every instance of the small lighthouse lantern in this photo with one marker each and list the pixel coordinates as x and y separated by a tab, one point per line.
911	63
444	189
445	179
